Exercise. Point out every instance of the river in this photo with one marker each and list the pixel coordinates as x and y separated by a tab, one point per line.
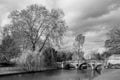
54	75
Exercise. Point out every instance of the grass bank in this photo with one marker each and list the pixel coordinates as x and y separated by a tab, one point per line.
4	71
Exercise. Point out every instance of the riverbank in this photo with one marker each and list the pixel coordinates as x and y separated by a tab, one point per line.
17	70
110	75
10	70
60	74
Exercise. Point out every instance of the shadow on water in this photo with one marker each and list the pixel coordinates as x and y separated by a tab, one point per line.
90	74
55	75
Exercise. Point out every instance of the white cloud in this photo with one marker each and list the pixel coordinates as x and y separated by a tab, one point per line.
93	18
7	6
95	38
101	50
68	40
5	19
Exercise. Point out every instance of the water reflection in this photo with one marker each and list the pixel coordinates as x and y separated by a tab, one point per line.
55	75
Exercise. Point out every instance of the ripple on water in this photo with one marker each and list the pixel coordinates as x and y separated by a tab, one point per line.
54	75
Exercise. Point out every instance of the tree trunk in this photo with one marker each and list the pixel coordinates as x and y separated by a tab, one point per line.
33	47
43	43
78	57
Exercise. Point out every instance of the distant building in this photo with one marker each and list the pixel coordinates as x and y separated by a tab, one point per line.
114	59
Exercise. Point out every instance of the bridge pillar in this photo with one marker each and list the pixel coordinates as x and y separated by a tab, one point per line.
62	65
92	65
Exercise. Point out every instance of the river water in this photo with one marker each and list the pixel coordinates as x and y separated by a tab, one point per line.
54	75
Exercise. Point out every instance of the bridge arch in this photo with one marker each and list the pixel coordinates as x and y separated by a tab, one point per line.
68	66
84	65
98	67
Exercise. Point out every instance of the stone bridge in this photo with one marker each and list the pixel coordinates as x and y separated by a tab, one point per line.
90	64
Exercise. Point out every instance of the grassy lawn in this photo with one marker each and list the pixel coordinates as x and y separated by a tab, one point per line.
9	70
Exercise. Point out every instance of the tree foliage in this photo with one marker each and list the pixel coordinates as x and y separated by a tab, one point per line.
113	41
37	26
30	61
50	56
78	45
64	56
8	49
80	40
97	56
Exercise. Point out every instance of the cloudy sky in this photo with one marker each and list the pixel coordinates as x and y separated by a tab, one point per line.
92	18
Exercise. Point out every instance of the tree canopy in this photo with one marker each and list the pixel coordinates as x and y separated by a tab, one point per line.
78	45
113	41
37	26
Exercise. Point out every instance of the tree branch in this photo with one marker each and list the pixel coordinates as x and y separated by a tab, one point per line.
44	43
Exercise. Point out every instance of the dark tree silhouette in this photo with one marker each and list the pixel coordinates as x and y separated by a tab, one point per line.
8	49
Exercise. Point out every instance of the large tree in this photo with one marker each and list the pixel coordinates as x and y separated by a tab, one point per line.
78	46
113	41
37	26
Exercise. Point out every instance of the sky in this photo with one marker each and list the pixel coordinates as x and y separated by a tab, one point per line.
92	18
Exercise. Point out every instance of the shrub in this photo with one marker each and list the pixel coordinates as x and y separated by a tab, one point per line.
50	57
35	61
30	61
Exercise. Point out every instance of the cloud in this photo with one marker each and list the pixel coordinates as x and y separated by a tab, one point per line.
82	15
7	6
80	9
93	18
100	7
68	40
96	37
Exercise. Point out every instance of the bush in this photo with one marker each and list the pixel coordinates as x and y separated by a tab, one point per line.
30	61
50	57
35	61
64	56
